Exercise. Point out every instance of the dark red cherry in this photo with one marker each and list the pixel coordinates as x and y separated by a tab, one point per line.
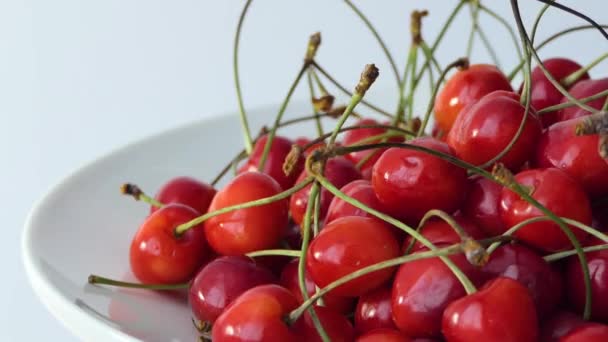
482	205
581	90
409	183
221	281
465	87
187	191
486	128
384	335
338	171
590	332
337	327
441	234
158	257
257	315
362	191
422	289
578	156
559	193
559	324
531	270
246	230
279	149
346	245
502	310
374	311
575	287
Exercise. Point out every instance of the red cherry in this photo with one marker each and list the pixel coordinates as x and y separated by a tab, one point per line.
486	128
346	245
466	87
422	289
557	192
384	335
187	191
289	280
441	234
531	270
543	94
362	191
337	327
221	281
578	156
575	286
374	311
482	205
581	90
409	183
157	257
251	229
558	325
338	171
502	310
590	332
257	315
279	149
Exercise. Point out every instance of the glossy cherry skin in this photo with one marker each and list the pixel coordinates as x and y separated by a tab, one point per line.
409	183
557	192
542	92
560	324
374	311
339	171
187	191
590	332
246	230
502	310
362	191
578	156
289	280
383	335
466	87
581	90
158	257
531	270
346	245
422	289
575	287
221	281
486	128
441	234
337	326
482	205
257	315
279	149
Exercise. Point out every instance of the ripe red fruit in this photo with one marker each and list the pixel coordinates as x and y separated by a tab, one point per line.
374	311
485	129
362	191
558	325
531	270
384	335
501	311
187	191
581	90
422	289
158	257
257	315
409	183
543	94
559	193
482	205
279	149
337	327
338	171
246	230
590	332
347	245
466	87
578	156
575	286
221	281
441	234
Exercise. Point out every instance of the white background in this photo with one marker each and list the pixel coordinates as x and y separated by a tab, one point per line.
81	77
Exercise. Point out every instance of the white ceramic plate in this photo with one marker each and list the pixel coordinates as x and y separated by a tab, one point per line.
85	226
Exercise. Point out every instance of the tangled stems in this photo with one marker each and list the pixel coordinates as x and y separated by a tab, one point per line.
237	83
95	279
576	13
504	23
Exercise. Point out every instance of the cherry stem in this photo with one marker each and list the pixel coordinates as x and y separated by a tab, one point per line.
280	252
182	228
576	13
95	279
593	124
560	255
242	154
399	117
313	96
506	24
429	55
136	192
474	11
572	104
575	76
235	65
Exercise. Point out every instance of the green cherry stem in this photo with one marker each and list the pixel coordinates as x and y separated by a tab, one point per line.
317	117
232	163
280	252
506	24
474	12
237	83
572	104
560	255
95	279
399	117
575	76
578	14
136	192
